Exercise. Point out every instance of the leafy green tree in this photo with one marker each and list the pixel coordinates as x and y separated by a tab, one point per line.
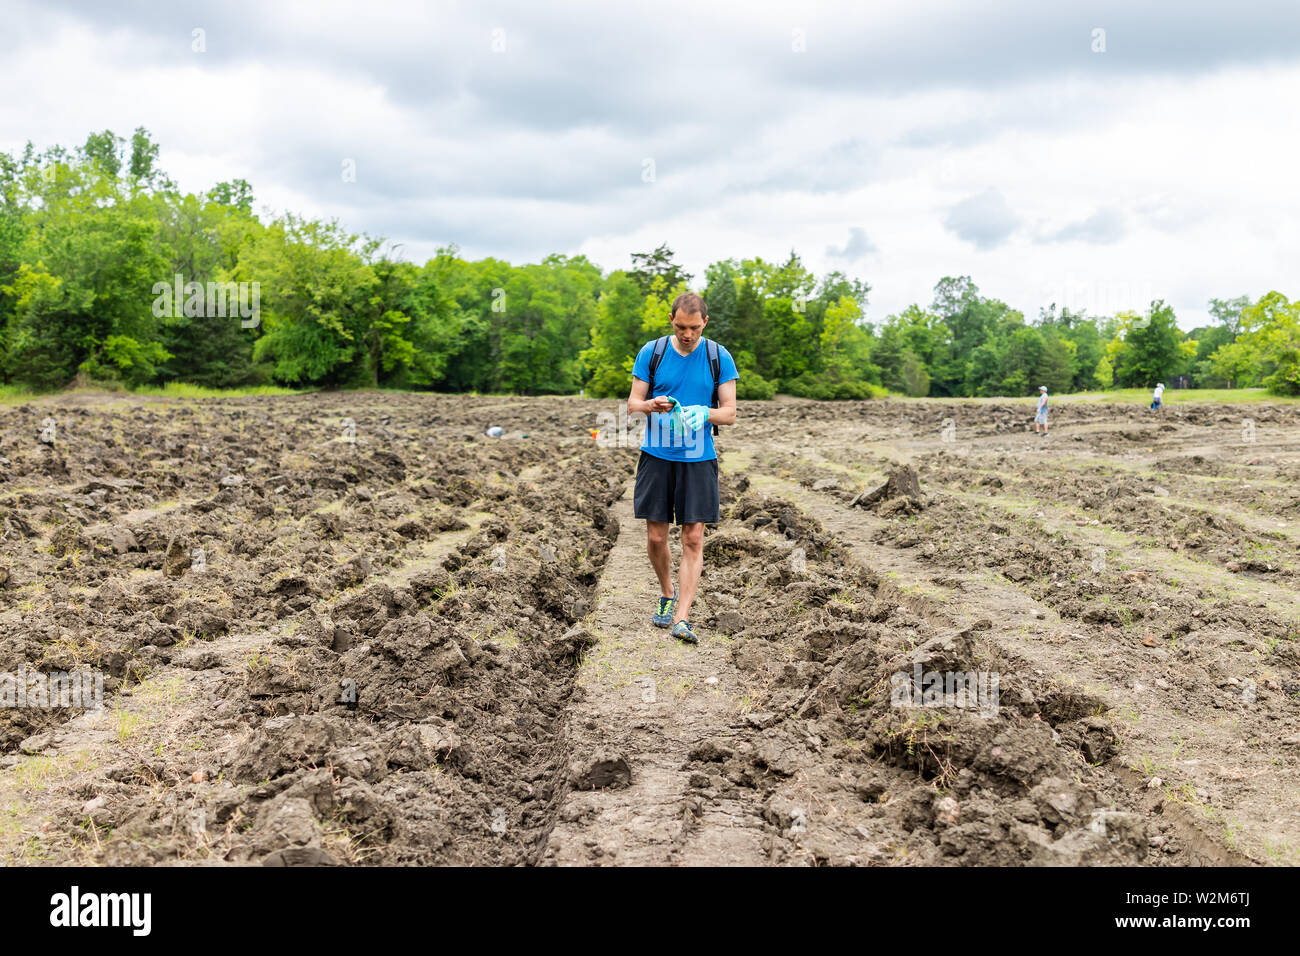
970	321
1151	348
311	274
845	347
550	309
1088	355
720	295
236	193
647	266
1267	349
1228	313
916	380
1104	377
1082	331
1209	339
789	337
844	356
1057	363
436	329
11	241
384	320
474	291
81	300
749	329
104	151
1022	361
913	331
201	242
616	337
143	167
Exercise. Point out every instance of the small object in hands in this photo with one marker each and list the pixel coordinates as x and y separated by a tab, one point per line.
675	416
496	431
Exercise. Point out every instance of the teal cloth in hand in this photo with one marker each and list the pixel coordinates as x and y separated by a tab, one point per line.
695	417
675	422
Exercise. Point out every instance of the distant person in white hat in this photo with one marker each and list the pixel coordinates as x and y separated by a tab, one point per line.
1040	418
1158	398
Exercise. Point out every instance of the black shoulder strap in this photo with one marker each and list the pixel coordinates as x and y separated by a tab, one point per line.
715	366
661	344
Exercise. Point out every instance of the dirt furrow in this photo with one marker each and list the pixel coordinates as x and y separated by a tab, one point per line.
1222	796
646	702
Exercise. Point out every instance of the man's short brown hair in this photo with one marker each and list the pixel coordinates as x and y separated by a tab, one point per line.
690	303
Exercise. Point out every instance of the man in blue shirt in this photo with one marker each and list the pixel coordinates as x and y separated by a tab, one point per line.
678	470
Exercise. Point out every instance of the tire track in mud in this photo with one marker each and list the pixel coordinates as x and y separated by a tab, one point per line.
1055	653
646	702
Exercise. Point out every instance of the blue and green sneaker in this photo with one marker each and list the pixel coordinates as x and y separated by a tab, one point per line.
682	631
664	616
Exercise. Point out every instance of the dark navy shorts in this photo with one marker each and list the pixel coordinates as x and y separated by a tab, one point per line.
687	490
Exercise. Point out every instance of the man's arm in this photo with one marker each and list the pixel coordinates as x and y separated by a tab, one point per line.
725	413
637	403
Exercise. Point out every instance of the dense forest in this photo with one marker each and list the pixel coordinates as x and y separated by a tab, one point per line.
108	272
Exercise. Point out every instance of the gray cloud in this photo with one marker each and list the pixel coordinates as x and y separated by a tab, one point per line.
939	44
833	168
985	219
856	248
568	64
1104	226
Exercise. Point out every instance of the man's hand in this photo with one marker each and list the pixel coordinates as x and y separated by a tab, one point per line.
661	404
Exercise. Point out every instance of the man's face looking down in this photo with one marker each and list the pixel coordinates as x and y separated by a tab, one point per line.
688	326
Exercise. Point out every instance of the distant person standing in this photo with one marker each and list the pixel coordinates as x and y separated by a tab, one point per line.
1158	398
1040	418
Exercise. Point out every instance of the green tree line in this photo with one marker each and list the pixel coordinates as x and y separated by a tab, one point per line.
92	241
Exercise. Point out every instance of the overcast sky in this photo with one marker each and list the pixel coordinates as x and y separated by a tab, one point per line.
899	142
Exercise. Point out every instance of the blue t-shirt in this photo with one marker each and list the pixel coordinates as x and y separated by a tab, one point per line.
688	380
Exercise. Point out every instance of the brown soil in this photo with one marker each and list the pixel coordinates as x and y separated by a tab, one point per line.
237	567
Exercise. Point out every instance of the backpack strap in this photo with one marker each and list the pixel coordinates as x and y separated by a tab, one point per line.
715	366
661	345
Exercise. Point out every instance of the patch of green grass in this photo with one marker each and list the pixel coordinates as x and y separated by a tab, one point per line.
17	395
185	390
1148	766
126	724
1282	852
167	692
35	772
1140	396
1180	396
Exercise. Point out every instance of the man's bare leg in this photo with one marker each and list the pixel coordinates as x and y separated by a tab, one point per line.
688	570
656	546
